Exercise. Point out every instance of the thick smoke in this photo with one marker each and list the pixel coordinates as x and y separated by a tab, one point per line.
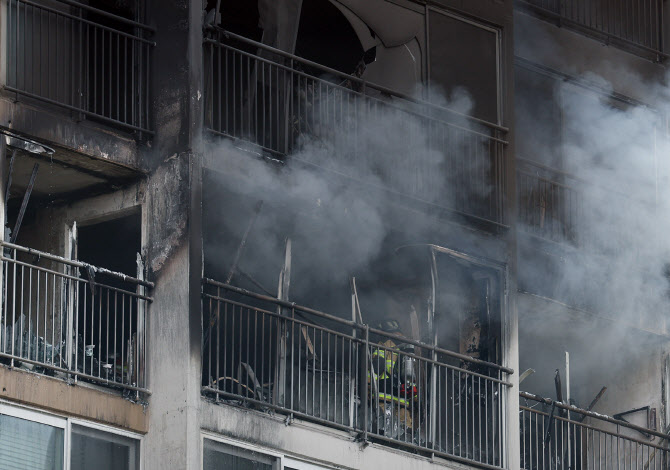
336	196
613	199
610	266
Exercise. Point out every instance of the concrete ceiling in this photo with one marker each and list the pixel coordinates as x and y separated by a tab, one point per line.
65	174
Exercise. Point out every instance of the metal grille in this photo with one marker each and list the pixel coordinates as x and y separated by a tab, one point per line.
555	436
637	22
549	206
280	102
277	355
71	319
91	62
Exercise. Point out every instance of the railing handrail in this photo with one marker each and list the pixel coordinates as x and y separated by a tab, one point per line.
592	414
352	78
528	165
77	264
592	428
609	36
413	112
576	179
352	324
357	340
544	179
98	11
85	21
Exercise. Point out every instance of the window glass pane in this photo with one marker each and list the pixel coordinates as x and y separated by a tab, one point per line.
218	456
99	450
27	445
473	68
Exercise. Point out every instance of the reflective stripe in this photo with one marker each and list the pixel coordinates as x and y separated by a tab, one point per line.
387	397
390	362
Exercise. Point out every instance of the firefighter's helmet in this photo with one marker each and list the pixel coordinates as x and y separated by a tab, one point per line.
389	326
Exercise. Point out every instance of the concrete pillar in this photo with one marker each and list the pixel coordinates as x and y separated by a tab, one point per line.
173	232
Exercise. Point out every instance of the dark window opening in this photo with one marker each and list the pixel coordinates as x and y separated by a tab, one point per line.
112	244
235	16
251	98
326	37
107	326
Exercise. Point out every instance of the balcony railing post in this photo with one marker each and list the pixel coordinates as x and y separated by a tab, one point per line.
70	299
288	110
3	264
13	321
141	319
364	372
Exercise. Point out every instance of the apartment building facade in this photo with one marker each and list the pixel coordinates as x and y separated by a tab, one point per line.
333	234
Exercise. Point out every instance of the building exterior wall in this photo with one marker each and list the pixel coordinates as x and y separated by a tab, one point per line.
166	175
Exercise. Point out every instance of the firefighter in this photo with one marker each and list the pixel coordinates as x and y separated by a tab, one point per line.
394	387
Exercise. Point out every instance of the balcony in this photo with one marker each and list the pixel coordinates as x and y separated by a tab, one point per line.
294	109
269	354
72	320
79	58
557	436
637	24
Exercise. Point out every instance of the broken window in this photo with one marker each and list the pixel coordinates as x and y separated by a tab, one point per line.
60	315
257	97
237	17
110	338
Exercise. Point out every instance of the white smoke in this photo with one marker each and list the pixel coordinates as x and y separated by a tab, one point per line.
337	195
611	272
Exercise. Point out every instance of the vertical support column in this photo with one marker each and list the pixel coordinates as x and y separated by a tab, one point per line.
70	304
173	226
510	329
354	334
3	215
432	400
511	445
141	314
5	9
282	294
364	360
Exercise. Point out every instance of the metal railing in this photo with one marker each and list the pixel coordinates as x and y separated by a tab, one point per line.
549	206
637	23
281	102
277	355
89	61
557	436
67	318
